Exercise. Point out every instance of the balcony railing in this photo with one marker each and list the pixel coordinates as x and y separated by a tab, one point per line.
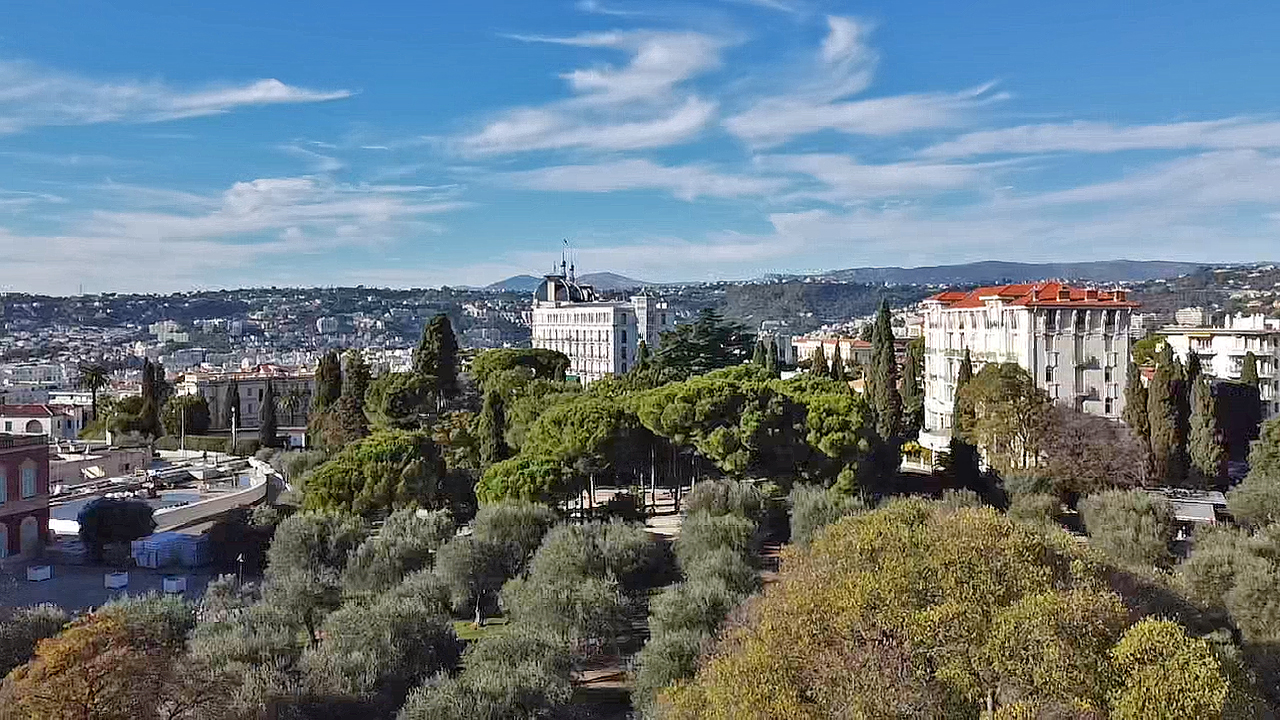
12	441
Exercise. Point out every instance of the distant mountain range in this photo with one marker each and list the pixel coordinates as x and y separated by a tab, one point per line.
991	272
599	280
986	272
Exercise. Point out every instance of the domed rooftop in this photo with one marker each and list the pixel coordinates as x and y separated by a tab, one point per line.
558	288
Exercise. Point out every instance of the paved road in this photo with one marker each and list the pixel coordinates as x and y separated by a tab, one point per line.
76	587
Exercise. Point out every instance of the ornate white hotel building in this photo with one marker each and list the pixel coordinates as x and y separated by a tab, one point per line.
1073	341
600	337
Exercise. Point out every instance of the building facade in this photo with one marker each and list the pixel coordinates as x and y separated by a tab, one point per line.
600	337
294	389
1222	351
57	423
1073	341
24	495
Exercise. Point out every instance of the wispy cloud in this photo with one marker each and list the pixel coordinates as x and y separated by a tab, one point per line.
637	105
844	180
1099	137
846	66
791	8
35	96
687	182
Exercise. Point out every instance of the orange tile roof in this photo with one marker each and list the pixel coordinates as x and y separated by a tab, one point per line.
1035	295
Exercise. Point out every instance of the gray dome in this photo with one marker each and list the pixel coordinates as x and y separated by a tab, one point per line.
557	288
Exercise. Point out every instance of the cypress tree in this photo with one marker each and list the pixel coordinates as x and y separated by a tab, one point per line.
885	399
965	459
771	361
268	427
642	357
437	355
1135	404
1168	441
355	383
818	362
1208	453
1249	370
493	425
913	389
837	364
328	380
232	404
758	357
149	417
1194	369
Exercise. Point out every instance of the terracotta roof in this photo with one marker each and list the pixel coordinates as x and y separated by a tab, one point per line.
1035	295
28	411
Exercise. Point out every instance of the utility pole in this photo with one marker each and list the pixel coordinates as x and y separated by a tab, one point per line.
235	440
182	433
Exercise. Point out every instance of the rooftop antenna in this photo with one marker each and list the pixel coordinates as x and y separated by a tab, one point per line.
562	250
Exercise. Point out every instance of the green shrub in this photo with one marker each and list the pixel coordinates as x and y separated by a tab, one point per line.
703	533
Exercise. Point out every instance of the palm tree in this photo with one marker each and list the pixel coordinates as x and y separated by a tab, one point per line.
94	378
293	401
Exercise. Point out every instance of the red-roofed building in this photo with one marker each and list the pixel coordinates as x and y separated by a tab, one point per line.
58	422
1073	340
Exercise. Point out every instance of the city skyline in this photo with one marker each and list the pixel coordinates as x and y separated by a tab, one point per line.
167	148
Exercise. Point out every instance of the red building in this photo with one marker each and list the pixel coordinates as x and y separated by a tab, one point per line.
24	494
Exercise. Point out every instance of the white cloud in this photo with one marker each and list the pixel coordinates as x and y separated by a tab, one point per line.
846	66
847	181
637	105
555	129
687	182
1098	137
778	5
34	96
196	237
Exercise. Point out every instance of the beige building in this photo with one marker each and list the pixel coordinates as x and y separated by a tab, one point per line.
294	389
1073	341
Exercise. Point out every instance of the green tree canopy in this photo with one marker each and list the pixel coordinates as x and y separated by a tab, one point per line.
113	520
1164	408
1134	527
386	470
268	427
1009	415
924	612
400	401
196	411
706	344
437	355
328	380
1249	370
1205	442
1255	501
545	364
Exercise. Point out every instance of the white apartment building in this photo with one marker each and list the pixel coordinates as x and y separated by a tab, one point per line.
1222	351
1073	341
600	337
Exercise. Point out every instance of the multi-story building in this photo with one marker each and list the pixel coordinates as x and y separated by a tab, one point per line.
167	331
24	495
1222	351
294	389
1073	341
599	336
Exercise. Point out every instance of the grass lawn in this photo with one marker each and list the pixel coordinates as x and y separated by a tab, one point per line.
468	631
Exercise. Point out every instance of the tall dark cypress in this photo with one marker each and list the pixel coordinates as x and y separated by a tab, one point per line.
1168	439
268	427
493	424
1135	404
837	364
771	362
355	383
1205	442
642	357
818	362
437	355
149	418
913	389
328	380
231	407
965	460
758	357
885	399
1194	370
1249	370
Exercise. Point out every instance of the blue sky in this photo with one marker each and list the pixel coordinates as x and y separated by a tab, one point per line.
186	145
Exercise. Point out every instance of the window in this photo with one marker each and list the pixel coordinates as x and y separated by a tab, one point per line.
1048	374
8	426
29	481
1109	406
1106	376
